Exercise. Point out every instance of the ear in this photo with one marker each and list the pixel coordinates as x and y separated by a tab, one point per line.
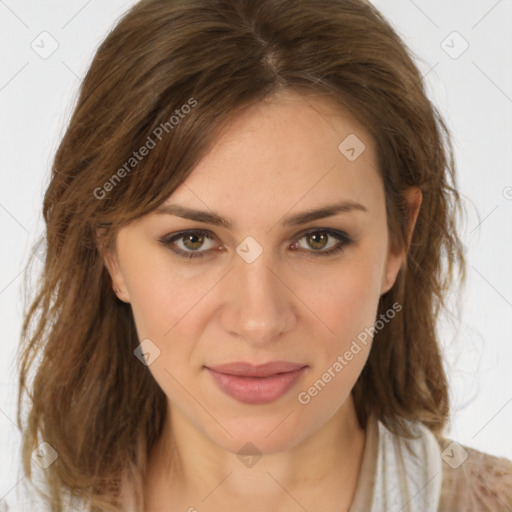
111	262
396	257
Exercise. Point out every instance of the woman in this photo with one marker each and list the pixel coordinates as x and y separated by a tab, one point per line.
246	225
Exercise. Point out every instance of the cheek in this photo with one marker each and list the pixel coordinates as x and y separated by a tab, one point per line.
171	305
146	285
164	301
349	299
348	306
161	291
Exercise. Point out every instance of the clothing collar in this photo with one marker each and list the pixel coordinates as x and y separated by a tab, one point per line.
397	473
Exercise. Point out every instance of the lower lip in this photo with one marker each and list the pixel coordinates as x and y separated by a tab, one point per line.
256	390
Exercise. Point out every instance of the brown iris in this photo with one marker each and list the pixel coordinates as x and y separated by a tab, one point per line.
319	238
196	239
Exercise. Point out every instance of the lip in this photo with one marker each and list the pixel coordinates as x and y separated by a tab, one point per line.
256	384
244	369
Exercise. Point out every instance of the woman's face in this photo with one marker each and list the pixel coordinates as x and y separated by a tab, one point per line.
268	283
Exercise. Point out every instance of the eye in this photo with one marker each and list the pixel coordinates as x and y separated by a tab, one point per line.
319	239
192	241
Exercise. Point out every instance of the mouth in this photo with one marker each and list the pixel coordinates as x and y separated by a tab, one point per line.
256	384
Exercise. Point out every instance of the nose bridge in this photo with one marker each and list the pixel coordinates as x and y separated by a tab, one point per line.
260	308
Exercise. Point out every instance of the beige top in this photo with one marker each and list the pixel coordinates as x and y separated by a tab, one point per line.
470	481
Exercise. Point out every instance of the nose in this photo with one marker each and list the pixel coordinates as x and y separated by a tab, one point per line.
259	306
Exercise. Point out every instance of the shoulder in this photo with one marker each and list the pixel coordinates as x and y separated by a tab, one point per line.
474	481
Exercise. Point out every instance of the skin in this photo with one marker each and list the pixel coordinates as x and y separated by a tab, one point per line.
280	157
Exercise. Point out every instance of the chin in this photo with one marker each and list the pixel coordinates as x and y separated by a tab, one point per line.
266	435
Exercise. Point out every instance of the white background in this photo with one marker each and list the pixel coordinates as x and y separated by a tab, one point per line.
473	92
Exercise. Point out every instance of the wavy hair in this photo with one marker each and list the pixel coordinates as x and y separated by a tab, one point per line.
87	395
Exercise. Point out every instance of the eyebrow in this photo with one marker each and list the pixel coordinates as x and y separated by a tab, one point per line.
209	217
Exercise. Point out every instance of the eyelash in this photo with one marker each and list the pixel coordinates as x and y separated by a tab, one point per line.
168	240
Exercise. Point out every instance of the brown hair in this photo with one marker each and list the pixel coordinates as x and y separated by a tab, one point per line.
90	398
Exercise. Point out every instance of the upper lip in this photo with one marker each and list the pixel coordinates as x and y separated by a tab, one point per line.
262	370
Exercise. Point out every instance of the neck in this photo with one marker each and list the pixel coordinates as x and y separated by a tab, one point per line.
189	469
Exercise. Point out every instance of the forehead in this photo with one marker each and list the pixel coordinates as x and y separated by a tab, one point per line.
291	123
290	147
